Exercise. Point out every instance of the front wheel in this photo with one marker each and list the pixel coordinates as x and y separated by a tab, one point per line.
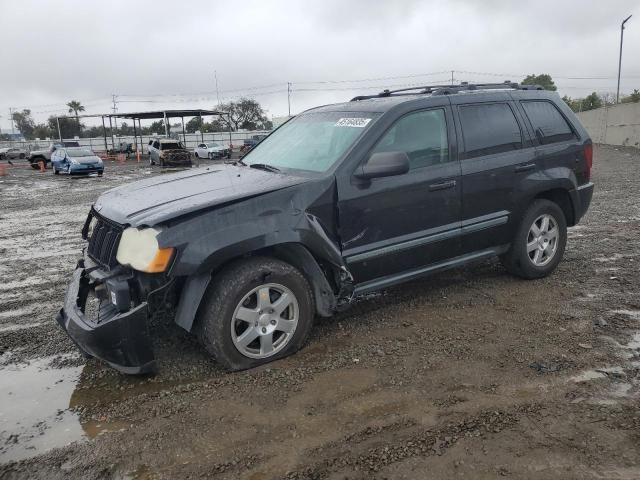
255	311
539	243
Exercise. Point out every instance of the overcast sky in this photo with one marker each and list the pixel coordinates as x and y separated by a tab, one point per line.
163	54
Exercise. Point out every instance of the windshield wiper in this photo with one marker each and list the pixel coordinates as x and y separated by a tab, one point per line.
264	166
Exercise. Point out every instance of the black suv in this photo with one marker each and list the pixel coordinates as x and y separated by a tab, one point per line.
339	201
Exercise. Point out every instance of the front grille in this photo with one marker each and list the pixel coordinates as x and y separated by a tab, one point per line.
104	240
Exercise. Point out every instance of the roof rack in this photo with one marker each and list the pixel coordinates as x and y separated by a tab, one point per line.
449	89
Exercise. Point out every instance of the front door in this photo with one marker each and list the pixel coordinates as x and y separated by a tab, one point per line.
392	226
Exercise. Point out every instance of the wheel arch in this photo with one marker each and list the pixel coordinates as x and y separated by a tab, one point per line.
295	254
562	198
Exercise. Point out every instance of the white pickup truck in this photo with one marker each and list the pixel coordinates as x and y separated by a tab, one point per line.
43	154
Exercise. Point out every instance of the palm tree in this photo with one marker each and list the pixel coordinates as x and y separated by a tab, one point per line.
75	107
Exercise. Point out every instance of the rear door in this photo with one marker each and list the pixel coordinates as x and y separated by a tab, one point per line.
393	226
555	138
495	152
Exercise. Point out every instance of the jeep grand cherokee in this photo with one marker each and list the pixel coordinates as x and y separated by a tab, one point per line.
339	201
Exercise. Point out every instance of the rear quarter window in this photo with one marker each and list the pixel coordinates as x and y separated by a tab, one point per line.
548	123
489	128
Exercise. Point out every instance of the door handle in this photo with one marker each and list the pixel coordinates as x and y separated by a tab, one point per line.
525	167
442	186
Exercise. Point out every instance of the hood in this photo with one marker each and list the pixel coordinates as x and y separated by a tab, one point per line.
89	159
163	197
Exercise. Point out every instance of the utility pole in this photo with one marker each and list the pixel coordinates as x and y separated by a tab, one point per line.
115	119
289	96
11	120
620	57
451	77
215	74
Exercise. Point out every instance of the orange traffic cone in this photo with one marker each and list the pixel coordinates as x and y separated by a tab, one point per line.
42	166
3	170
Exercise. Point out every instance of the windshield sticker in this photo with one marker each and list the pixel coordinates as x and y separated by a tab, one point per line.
352	122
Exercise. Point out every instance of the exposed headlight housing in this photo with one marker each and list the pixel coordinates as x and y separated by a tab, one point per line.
139	250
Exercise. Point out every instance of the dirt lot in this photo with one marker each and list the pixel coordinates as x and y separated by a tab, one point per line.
471	373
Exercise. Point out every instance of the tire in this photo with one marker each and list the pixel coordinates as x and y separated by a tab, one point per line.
196	154
55	170
219	328
35	163
2	157
521	260
21	156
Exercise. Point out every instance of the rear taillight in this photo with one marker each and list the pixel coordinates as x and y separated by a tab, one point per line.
588	157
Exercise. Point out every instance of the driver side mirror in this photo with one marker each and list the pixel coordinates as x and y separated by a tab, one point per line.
384	164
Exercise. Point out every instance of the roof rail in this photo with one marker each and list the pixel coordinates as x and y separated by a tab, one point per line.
448	89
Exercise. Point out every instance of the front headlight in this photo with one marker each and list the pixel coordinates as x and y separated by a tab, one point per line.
73	161
139	250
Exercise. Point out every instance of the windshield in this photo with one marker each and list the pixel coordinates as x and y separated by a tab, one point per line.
212	145
313	141
170	146
79	152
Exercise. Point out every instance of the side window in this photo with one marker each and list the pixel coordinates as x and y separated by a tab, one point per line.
156	144
150	142
489	128
422	135
548	123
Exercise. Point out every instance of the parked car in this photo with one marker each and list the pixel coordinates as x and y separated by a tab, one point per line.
12	153
41	153
76	160
123	147
167	152
249	143
212	150
340	201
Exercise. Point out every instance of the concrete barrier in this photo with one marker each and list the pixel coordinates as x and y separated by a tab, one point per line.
614	124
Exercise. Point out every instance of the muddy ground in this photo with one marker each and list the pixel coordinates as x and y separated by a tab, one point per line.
471	373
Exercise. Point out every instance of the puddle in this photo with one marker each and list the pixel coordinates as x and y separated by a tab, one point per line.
94	428
33	403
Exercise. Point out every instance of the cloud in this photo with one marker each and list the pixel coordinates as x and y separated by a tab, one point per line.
161	54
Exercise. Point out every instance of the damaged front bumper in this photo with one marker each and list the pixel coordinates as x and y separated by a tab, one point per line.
119	338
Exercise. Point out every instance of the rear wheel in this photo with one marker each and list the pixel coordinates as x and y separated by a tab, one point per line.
254	312
539	243
197	155
21	156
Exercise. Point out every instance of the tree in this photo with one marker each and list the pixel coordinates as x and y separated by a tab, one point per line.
75	107
24	122
633	98
42	131
68	128
245	112
194	125
544	80
574	104
156	127
591	102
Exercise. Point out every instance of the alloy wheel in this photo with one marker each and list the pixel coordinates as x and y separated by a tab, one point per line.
264	321
542	240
